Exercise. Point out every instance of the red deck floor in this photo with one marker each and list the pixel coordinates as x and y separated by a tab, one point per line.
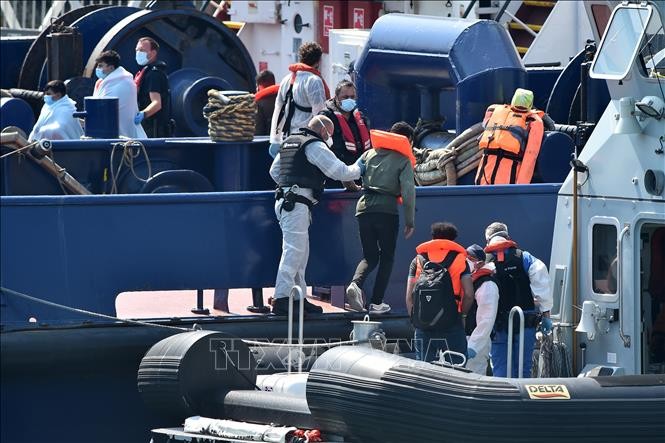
152	304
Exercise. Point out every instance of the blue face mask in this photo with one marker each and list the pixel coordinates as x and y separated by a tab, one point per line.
141	58
48	99
100	74
348	105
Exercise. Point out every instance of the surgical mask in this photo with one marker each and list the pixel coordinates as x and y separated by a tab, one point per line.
141	58
100	74
348	105
329	142
48	99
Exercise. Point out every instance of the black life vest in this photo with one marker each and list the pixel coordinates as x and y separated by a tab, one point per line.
513	281
294	168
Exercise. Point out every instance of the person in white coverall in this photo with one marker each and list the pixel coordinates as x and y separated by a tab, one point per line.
115	81
302	95
523	281
480	321
56	120
300	169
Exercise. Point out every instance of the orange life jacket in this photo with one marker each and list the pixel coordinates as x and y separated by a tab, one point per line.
437	250
393	142
510	145
347	134
265	92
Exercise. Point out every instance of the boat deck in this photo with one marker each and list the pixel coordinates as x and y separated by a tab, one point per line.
151	304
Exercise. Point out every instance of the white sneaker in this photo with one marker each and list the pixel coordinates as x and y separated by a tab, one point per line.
383	308
354	297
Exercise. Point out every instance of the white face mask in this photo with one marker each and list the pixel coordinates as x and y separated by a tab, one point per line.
141	58
328	140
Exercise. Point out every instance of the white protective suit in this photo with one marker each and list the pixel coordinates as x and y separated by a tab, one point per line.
295	223
120	83
56	122
487	298
308	92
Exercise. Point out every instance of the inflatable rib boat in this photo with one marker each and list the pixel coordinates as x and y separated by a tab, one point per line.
387	398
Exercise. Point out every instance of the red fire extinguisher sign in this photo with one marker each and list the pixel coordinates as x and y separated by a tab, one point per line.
328	19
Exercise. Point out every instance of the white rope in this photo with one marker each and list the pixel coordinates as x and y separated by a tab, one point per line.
19	150
93	314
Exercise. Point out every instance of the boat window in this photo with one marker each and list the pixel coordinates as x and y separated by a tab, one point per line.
621	42
652	50
604	259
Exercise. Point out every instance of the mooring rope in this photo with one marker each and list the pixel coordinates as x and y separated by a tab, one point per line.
179	329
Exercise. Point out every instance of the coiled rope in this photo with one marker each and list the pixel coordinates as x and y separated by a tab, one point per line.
442	167
230	118
550	358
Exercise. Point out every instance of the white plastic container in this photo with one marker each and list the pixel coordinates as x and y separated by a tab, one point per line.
283	383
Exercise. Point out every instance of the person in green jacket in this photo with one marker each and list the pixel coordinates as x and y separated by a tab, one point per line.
388	181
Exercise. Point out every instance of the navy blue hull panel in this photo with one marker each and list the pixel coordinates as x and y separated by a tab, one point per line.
83	251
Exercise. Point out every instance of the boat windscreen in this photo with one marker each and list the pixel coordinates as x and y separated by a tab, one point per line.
621	42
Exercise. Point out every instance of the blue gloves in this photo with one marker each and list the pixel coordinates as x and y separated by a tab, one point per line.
138	118
546	325
470	352
361	164
273	150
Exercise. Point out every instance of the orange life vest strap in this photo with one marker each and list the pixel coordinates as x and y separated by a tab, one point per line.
294	68
500	247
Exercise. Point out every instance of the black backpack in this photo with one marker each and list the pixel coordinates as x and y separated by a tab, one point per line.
434	304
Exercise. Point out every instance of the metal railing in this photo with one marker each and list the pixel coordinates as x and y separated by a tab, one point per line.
296	291
30	15
509	363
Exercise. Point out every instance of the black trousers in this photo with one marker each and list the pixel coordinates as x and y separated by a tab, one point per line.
378	236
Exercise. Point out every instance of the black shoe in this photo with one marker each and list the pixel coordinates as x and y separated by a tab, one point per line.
311	308
280	306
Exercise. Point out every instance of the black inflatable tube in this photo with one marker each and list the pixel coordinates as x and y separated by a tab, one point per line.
379	397
267	407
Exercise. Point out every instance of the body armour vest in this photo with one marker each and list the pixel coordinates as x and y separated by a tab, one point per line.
294	168
513	282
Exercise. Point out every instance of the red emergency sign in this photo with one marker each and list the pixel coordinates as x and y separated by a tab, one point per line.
358	18
328	19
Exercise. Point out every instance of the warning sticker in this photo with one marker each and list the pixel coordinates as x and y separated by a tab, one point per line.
358	18
548	392
328	19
